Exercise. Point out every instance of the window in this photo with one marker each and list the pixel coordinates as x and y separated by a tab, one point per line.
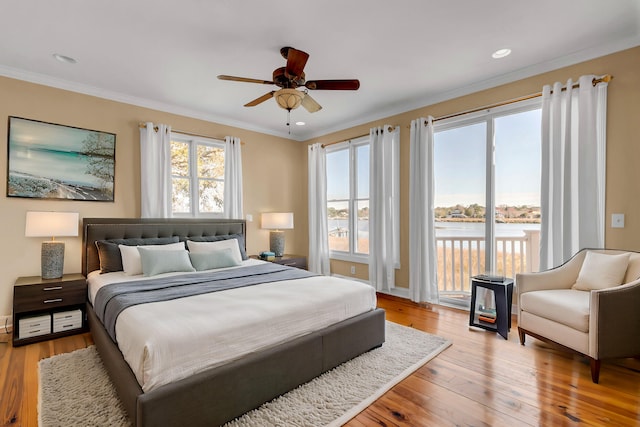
487	165
197	176
348	200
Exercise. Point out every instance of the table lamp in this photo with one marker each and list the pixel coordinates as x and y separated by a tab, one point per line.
276	222
54	224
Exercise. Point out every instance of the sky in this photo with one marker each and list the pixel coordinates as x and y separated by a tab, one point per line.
338	173
45	135
460	167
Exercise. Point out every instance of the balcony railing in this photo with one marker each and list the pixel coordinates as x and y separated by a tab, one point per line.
459	258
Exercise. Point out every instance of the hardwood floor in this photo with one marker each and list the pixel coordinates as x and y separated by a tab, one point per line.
481	380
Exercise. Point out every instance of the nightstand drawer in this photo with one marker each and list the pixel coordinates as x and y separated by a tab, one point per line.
45	296
67	320
298	262
34	326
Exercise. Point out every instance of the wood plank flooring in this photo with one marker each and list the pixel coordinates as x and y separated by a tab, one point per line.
481	380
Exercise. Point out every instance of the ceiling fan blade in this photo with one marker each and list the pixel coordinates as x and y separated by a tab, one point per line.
260	100
310	104
352	84
296	60
244	79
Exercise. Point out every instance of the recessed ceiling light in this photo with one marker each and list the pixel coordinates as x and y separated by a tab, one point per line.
300	123
65	59
500	53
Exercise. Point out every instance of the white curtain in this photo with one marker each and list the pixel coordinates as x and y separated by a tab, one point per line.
384	194
318	234
232	178
155	171
573	169
423	284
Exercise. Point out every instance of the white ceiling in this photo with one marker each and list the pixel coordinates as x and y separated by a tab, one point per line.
166	54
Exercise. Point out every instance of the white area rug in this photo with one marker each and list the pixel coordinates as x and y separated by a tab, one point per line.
75	390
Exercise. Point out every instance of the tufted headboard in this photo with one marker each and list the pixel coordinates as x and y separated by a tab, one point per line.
124	228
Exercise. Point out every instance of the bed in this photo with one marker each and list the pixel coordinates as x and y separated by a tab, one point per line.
223	391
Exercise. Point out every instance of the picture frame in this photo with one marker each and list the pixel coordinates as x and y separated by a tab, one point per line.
58	162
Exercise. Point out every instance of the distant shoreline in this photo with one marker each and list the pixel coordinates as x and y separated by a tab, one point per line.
505	220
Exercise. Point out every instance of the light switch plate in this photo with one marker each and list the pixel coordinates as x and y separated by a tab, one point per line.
617	220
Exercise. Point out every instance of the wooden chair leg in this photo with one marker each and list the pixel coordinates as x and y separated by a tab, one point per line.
521	335
595	370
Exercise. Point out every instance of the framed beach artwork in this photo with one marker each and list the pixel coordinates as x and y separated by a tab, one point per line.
50	161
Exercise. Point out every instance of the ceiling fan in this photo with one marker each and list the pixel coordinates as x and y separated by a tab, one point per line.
291	77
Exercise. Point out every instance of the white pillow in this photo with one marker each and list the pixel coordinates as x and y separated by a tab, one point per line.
131	263
200	247
601	271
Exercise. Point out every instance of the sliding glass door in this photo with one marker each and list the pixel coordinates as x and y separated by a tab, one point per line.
487	196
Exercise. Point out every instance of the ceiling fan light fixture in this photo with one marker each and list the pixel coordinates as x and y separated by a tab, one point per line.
289	99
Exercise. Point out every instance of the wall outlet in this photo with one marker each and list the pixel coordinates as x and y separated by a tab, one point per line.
353	269
617	220
249	218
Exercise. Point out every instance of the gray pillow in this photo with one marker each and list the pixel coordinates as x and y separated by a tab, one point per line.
214	259
157	262
109	253
238	237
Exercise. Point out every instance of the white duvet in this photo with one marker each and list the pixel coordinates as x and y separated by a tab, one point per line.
170	340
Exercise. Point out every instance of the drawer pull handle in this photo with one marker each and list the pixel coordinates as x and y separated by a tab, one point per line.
53	288
48	301
289	264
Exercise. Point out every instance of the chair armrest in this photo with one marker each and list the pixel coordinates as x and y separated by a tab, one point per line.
614	321
561	277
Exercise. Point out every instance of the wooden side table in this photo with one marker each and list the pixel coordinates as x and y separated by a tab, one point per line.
298	261
498	319
48	308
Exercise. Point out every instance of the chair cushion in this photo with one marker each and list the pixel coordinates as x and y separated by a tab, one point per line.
601	271
566	306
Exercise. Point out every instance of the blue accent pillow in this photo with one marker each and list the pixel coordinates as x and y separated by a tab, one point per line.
213	259
166	261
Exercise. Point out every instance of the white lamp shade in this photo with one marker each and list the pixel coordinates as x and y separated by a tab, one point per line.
54	224
277	220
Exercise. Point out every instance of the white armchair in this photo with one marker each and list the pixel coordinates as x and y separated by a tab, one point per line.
599	323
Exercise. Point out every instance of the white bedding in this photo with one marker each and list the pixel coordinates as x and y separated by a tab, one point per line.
170	340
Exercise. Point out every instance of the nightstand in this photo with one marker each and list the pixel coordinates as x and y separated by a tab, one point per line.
48	308
298	261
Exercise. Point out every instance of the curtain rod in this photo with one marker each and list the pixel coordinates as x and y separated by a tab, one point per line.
155	128
606	78
355	137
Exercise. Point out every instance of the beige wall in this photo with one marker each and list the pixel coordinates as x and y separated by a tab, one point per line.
274	169
623	145
274	174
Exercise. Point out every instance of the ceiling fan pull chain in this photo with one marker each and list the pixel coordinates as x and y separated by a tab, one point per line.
289	120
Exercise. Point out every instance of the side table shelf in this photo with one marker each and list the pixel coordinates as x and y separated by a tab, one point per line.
48	308
491	313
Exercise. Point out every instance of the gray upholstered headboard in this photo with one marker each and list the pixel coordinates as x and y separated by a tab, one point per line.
124	228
